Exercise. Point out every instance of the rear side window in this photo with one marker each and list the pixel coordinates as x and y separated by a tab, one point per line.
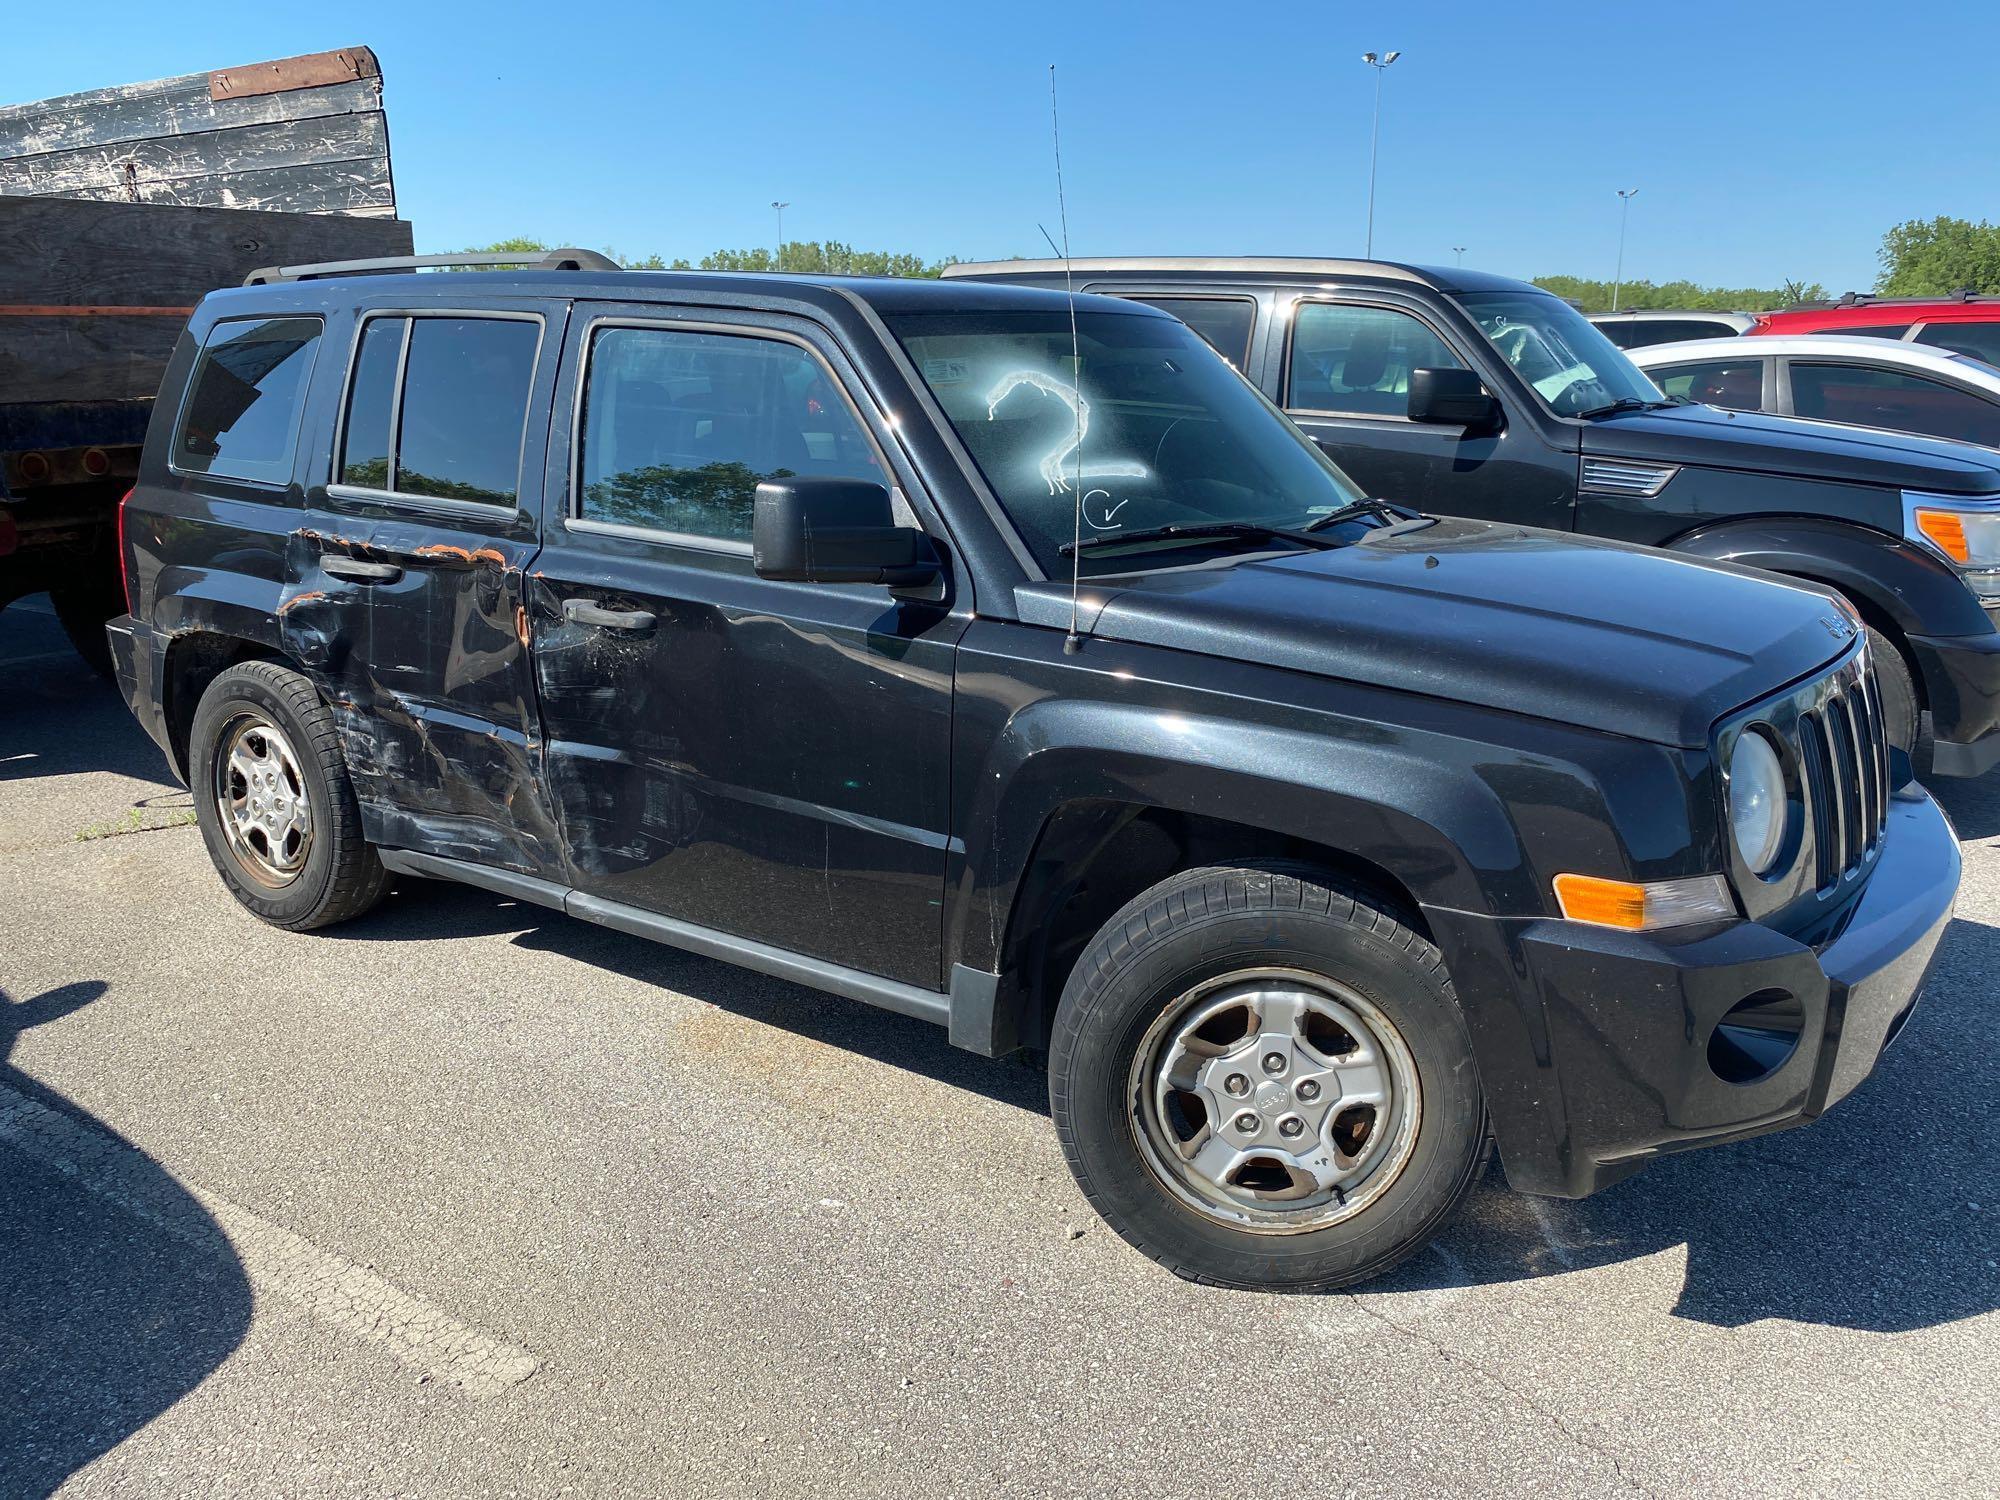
1225	322
1874	331
679	427
1978	340
1870	397
241	420
452	429
1735	383
1359	359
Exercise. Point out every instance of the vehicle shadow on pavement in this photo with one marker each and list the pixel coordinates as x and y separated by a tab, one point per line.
60	717
1882	1216
118	1293
1973	804
428	910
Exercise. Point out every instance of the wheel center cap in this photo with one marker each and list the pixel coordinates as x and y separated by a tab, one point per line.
1272	1097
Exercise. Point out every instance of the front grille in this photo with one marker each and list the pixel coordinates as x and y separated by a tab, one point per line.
1844	770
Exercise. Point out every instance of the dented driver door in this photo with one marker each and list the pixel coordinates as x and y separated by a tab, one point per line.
407	572
768	759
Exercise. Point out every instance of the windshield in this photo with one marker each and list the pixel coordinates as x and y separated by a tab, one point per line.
1164	432
1573	367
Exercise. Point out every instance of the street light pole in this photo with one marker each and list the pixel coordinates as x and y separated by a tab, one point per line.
1625	197
1381	65
1459	251
779	259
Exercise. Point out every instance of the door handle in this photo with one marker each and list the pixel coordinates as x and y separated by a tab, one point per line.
354	570
583	612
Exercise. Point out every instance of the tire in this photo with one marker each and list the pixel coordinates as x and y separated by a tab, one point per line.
1902	710
1293	939
83	614
317	869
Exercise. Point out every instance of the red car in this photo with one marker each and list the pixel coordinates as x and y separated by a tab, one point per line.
1965	322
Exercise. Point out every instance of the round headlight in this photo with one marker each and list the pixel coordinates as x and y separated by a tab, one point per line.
1757	801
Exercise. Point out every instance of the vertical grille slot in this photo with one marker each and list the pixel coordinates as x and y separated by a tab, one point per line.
1817	762
1847	781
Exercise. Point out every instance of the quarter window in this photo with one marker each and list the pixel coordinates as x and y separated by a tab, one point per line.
456	432
679	427
1735	383
1225	322
1870	397
241	420
1640	333
1359	359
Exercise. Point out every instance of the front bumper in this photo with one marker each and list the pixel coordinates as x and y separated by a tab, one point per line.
1962	686
140	667
1594	1044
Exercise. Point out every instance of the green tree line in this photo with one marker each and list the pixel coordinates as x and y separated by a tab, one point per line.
1921	258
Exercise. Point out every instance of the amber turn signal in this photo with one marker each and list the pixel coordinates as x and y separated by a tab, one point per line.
1945	530
1637	908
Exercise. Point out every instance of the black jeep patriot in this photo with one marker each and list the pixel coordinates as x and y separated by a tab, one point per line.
1312	839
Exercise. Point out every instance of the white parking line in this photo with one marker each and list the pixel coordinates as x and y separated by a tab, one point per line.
351	1298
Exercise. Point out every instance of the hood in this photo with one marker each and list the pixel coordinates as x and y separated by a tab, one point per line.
1600	634
1760	444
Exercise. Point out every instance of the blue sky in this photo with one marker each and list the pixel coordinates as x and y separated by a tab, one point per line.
1767	140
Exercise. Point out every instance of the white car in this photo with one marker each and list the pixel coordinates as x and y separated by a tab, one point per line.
1639	327
1859	381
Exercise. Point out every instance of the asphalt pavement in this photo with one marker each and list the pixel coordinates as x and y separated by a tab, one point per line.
466	1198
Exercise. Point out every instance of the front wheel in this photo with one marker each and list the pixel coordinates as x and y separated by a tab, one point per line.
1263	1080
1902	709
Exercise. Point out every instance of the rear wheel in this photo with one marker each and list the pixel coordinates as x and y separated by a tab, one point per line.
272	796
1263	1080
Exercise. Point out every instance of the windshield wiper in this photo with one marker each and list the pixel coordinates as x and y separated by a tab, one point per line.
1389	510
1249	530
1623	403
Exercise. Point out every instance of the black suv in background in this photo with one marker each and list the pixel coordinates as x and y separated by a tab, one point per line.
1311	839
1475	395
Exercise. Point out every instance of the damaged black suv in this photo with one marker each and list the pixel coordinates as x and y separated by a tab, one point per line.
1011	663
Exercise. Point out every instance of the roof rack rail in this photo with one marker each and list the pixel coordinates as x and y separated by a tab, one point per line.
552	260
1870	299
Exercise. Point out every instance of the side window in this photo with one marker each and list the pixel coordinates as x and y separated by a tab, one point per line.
1734	383
679	427
1225	322
1890	398
1975	340
1641	333
1877	331
1358	359
241	420
456	432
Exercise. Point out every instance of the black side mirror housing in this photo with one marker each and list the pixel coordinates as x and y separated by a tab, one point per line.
1452	398
822	530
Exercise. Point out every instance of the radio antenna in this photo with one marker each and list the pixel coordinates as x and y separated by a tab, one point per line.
1073	642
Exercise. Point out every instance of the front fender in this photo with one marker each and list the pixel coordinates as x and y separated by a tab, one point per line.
1916	592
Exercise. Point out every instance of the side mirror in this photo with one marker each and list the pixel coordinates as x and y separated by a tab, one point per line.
812	530
1452	398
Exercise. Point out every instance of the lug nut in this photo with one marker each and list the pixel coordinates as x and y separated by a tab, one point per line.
1274	1062
1236	1084
1307	1089
1291	1125
1247	1123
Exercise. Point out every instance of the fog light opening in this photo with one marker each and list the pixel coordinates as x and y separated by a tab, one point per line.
1757	1037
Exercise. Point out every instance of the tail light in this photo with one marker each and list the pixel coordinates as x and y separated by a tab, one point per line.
124	560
